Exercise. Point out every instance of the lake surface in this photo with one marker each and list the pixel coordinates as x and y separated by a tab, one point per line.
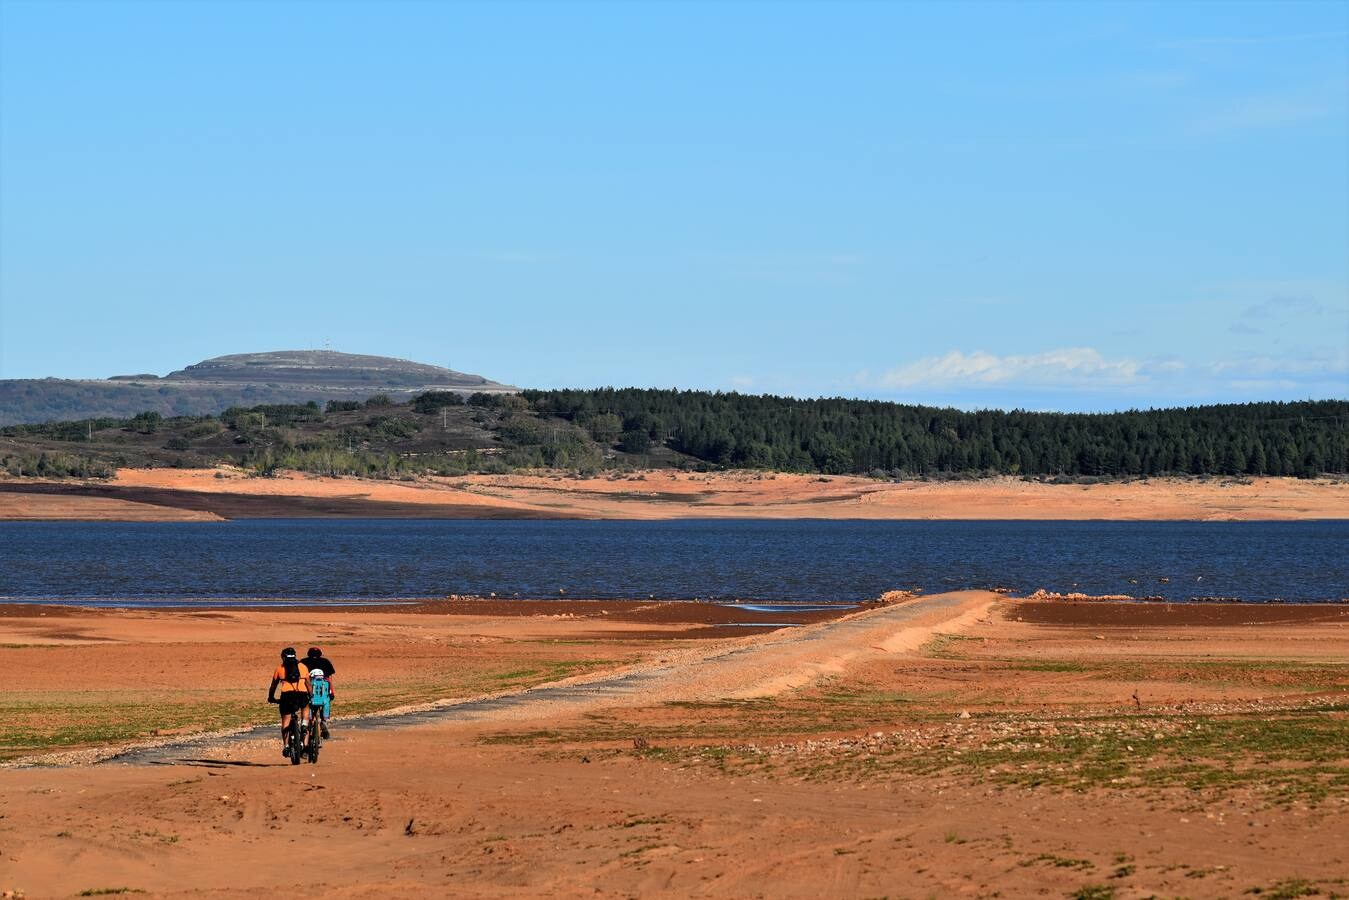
801	561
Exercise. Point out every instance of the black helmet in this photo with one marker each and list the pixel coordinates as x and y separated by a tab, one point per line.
288	653
314	652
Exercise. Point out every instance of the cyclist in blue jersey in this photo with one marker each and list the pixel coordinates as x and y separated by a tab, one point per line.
315	661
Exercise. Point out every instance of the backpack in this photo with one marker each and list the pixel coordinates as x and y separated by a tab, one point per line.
319	689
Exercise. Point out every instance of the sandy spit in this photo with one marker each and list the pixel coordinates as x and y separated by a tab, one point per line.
178	494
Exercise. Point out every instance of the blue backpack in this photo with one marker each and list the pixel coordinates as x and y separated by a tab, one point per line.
320	692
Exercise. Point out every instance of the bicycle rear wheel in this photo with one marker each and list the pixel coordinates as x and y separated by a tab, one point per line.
296	742
315	739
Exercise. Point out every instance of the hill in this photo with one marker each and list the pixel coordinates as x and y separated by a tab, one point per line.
213	385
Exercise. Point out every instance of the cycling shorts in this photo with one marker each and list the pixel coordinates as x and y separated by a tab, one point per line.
293	702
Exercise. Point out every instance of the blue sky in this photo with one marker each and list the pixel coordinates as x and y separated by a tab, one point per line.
1070	206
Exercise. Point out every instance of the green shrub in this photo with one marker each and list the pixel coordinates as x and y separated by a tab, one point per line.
434	401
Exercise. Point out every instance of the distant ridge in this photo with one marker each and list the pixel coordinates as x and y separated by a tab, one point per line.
213	385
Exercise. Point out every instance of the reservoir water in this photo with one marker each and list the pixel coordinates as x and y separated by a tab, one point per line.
781	561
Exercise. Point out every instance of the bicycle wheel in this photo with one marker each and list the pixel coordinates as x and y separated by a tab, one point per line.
315	740
296	743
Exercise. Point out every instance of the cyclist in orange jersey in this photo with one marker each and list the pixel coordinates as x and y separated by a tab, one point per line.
293	679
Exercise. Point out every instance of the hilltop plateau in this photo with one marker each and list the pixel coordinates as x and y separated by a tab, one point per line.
242	379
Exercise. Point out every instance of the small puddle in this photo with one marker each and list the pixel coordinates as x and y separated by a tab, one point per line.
788	607
758	625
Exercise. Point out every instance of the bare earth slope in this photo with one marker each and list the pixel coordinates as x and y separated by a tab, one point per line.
672	495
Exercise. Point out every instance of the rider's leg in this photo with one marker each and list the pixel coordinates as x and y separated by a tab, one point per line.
285	724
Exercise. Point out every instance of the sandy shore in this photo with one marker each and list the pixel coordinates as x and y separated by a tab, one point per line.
57	507
961	744
667	495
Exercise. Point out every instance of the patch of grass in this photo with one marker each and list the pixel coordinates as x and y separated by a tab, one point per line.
54	721
1292	756
1283	675
1288	889
1093	892
1046	665
106	892
1059	862
157	836
654	820
946	646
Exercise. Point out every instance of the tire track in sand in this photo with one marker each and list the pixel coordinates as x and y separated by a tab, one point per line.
756	666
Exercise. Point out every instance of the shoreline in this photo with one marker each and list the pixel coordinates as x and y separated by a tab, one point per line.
711	618
744	611
218	494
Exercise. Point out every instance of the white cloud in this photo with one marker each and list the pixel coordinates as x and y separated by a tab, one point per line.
1072	367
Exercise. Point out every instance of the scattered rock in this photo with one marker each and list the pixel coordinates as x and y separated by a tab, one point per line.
891	597
1042	594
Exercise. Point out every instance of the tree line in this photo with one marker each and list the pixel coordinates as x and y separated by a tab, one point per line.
838	436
